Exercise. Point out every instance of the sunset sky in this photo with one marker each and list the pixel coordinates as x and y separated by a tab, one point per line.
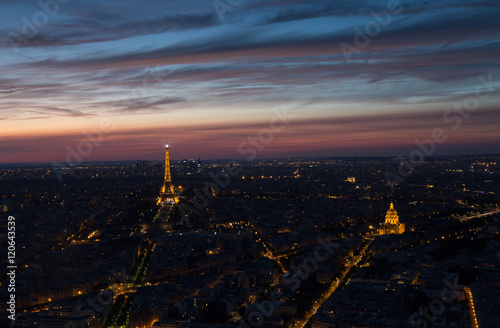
209	74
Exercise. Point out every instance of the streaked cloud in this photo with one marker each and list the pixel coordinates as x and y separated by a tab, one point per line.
175	61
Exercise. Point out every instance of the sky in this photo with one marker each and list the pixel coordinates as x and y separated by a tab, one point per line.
240	79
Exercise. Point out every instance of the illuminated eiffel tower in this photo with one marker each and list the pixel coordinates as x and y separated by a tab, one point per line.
167	191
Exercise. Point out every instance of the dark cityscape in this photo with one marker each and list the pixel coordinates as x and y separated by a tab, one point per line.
271	243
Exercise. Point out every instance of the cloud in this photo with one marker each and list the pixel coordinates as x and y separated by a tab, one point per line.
147	104
400	44
338	8
84	30
268	52
38	112
63	112
371	134
11	91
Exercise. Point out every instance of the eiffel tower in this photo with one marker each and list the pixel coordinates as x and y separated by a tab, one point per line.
167	193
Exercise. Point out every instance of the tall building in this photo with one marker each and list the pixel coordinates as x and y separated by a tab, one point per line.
392	224
167	190
311	171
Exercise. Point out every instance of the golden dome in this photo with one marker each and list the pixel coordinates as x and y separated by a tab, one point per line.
392	216
391	210
392	225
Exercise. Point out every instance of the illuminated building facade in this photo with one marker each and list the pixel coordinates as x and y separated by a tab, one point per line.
392	224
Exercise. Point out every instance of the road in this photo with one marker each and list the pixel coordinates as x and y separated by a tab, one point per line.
319	302
480	215
472	309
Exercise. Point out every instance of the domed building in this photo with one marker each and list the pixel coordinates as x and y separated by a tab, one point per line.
392	224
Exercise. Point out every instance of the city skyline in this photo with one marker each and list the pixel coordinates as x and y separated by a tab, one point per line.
364	79
296	243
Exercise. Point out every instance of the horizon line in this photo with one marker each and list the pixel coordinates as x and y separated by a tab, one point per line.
249	161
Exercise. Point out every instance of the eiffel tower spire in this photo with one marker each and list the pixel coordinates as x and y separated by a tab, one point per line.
168	177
